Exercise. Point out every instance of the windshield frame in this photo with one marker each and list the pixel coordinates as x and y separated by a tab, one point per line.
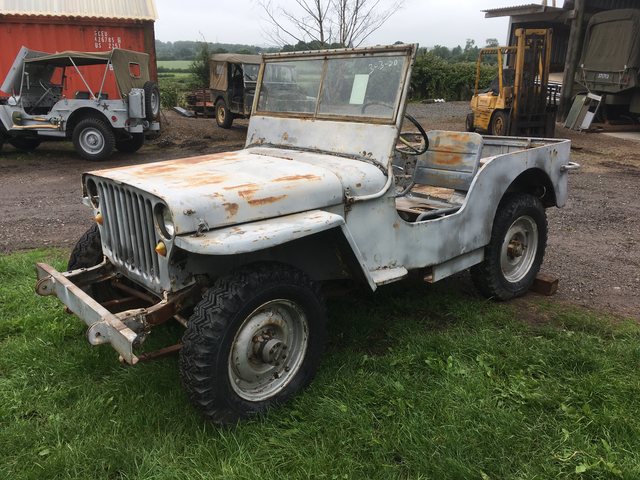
405	50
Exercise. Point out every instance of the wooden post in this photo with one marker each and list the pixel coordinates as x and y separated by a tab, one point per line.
574	51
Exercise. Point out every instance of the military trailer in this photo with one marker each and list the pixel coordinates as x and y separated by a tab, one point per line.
39	107
233	85
329	187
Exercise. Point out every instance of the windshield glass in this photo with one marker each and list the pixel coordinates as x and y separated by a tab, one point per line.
361	87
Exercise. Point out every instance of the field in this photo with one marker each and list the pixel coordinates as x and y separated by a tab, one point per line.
417	382
175	64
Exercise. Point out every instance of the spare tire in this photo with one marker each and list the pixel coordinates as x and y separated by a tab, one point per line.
151	101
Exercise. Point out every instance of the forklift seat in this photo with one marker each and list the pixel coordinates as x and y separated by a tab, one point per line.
451	161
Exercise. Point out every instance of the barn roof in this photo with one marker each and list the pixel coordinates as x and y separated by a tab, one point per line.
107	9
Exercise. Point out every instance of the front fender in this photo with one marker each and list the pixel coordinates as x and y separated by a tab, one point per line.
254	236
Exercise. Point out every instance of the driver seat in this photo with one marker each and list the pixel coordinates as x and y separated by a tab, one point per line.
442	175
451	161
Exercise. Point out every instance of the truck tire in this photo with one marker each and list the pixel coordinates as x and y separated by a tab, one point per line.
131	145
253	341
468	124
25	144
151	101
224	118
499	123
88	250
516	250
93	139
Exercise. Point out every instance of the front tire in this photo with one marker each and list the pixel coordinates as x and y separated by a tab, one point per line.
93	139
25	144
516	250
224	117
253	341
468	124
131	145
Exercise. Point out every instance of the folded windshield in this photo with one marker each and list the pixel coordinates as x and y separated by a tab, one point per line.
352	87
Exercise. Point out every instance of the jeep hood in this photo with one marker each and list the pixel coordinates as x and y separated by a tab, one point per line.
231	188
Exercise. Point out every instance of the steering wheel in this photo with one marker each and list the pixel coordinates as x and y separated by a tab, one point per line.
407	147
48	88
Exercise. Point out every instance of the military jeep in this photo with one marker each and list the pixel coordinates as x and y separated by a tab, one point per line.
330	187
42	106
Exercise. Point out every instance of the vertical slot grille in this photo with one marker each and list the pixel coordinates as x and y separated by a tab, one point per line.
128	230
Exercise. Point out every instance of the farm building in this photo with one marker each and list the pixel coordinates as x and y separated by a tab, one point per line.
81	25
612	49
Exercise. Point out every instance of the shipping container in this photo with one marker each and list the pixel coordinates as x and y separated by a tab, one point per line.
58	32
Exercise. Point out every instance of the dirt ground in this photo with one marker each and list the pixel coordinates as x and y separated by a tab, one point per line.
593	242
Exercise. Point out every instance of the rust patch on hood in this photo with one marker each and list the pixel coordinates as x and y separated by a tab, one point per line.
248	193
242	185
265	201
295	178
231	209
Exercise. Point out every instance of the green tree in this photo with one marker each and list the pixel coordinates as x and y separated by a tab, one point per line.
200	67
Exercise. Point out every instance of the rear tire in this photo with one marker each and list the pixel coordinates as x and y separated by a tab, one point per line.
93	139
25	144
151	101
131	145
224	117
253	341
516	249
499	123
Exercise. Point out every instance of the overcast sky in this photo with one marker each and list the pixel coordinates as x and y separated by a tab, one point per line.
427	22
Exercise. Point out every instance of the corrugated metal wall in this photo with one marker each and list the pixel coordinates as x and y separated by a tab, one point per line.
129	9
55	35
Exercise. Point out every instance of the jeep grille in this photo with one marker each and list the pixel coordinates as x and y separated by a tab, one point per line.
128	234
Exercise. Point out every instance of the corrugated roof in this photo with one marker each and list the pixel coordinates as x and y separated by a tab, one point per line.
114	9
513	7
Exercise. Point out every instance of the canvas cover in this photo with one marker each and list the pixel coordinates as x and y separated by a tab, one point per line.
219	65
612	41
120	59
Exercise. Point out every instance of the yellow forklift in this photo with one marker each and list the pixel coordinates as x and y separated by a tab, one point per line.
519	101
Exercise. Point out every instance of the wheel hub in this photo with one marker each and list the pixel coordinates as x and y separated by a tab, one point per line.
268	350
519	249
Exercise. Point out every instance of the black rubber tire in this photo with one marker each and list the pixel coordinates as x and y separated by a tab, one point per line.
25	144
151	101
131	145
215	322
224	117
88	250
100	126
488	276
468	124
499	123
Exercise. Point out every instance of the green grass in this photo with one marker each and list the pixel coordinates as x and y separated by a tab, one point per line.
175	64
417	382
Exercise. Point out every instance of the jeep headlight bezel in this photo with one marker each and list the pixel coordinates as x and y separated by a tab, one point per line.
164	220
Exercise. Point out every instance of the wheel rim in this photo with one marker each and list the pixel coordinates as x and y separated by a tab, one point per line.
519	249
91	140
220	114
499	126
268	350
155	103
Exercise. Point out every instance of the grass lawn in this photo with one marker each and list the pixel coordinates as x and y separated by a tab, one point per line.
417	382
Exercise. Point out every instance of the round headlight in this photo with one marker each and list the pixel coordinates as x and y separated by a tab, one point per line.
165	221
92	193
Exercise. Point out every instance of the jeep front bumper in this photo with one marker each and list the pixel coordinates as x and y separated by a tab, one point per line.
104	326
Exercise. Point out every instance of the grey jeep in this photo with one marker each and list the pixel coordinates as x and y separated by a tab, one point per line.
39	108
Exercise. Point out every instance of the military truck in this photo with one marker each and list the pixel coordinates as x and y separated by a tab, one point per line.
41	108
330	187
